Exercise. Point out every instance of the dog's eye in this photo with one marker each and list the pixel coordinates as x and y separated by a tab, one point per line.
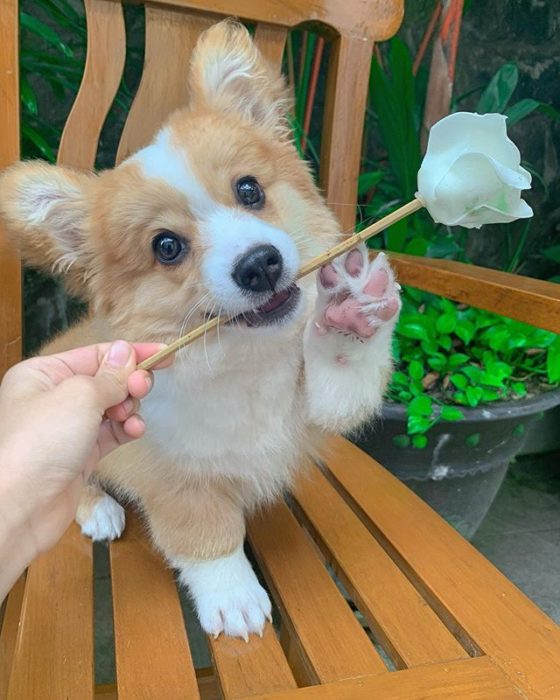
249	192
169	248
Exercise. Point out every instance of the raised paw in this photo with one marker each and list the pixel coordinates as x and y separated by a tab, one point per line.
227	595
102	519
356	296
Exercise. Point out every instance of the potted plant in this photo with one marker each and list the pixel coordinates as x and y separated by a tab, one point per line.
468	384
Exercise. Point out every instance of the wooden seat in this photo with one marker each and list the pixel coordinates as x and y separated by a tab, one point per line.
377	596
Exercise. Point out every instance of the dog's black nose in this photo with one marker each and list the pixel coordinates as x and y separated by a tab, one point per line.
259	270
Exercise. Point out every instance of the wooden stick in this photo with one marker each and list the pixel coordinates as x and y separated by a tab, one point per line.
314	264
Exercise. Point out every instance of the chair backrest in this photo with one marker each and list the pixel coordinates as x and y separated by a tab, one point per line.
171	33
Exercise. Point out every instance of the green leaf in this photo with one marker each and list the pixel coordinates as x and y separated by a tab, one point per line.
430	347
28	97
396	236
411	328
473	373
44	32
519	388
499	91
553	362
445	342
446	323
465	330
419	442
451	413
438	363
552	253
38	141
473	395
401	440
400	378
368	180
415	370
420	406
458	359
418	424
417	246
459	380
520	110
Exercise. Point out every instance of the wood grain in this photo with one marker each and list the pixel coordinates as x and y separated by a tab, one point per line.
343	123
270	40
10	266
383	594
170	38
105	57
246	669
152	652
375	20
472	679
460	584
522	298
332	643
54	649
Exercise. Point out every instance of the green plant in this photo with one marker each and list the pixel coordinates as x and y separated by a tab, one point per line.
451	356
448	356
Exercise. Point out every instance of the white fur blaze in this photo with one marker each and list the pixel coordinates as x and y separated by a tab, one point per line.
227	595
102	521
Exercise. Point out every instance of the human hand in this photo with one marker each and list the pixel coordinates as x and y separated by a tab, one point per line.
59	415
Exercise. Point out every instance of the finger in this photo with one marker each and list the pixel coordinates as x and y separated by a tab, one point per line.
111	436
87	360
134	427
123	410
145	350
140	383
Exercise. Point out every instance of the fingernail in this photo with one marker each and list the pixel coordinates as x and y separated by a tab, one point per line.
149	381
118	355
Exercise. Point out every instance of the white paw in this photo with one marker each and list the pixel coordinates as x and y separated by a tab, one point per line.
227	595
356	296
104	521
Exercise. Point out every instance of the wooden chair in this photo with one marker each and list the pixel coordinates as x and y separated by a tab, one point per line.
449	624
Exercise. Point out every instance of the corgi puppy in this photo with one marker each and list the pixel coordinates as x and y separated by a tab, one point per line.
213	218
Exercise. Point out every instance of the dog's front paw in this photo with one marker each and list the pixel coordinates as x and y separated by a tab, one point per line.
356	296
101	519
227	595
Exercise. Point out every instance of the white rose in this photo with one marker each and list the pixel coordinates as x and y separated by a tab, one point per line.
471	173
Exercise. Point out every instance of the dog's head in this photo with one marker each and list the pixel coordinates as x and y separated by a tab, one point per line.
214	216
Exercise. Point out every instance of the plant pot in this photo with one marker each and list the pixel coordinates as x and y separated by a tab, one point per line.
463	466
543	435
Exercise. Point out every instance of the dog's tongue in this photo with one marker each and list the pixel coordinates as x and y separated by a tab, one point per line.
275	301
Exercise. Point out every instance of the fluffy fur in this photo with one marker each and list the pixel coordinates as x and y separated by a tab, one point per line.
230	422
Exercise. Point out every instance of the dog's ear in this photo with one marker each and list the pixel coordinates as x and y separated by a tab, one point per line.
229	74
44	209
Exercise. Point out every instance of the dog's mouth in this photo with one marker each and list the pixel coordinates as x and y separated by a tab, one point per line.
278	307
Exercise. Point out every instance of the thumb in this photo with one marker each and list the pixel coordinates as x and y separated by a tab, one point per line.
111	379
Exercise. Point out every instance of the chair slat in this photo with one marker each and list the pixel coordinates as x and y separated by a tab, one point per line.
151	648
341	139
330	639
170	38
10	268
54	649
369	19
471	679
106	49
244	669
385	596
459	582
270	40
522	298
8	633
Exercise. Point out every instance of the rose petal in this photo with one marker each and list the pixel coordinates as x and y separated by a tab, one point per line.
471	173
